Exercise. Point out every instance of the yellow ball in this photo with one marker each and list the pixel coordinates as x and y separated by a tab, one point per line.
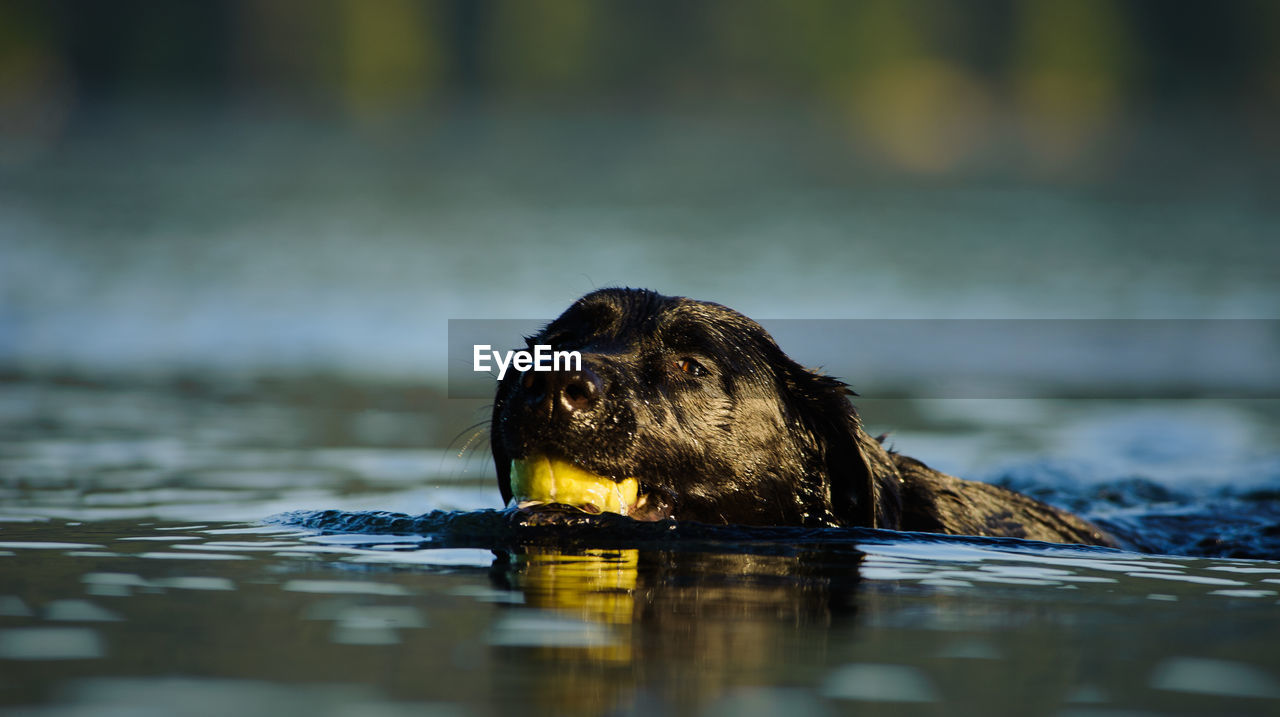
539	479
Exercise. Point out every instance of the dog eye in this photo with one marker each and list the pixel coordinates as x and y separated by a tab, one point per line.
691	367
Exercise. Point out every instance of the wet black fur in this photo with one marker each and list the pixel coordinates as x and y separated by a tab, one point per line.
751	438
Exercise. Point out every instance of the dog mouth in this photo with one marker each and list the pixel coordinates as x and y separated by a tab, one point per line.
542	482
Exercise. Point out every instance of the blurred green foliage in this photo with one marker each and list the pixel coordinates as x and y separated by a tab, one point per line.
919	79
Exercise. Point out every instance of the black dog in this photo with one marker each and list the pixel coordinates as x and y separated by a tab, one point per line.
688	409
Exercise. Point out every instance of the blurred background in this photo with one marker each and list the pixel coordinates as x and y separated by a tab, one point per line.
233	236
229	192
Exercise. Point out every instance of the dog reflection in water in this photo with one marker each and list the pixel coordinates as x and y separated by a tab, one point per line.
597	621
589	599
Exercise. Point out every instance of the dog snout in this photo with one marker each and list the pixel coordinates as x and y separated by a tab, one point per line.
569	392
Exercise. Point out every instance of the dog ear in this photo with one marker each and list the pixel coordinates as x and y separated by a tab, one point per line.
859	472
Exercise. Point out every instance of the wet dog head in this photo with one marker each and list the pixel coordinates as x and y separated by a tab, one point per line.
682	409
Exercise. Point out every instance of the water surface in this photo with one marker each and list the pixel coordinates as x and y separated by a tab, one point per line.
178	549
230	482
279	618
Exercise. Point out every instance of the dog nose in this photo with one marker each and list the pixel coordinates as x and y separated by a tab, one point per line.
568	391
